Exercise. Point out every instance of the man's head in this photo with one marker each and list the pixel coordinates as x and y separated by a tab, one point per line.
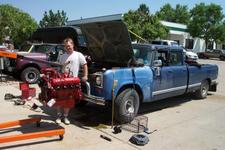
69	45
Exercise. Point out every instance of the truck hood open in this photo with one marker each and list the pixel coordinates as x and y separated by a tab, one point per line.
108	42
56	34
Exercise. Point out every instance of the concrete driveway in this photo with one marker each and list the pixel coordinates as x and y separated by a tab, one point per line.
181	123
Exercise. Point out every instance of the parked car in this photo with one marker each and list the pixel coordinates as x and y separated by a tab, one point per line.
190	54
216	53
114	79
28	70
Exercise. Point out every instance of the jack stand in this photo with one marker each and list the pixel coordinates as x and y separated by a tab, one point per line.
1	68
26	136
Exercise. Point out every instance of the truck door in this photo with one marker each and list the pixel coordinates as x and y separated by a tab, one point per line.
172	80
179	71
162	82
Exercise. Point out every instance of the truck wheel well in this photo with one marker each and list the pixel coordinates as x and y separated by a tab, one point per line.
30	65
209	81
137	88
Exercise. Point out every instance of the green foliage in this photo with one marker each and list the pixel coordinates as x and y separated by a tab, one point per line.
16	24
52	19
180	14
218	33
206	22
144	24
166	13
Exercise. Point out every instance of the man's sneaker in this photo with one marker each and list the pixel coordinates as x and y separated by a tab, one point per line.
66	121
58	120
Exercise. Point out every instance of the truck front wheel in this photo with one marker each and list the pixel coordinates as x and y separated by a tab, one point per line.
203	91
126	105
30	75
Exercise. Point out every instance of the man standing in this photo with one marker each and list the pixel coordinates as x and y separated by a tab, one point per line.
73	60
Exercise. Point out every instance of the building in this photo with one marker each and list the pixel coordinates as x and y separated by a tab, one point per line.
178	32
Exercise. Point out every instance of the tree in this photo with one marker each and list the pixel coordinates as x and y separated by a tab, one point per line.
166	13
15	24
52	19
179	14
205	22
218	33
144	24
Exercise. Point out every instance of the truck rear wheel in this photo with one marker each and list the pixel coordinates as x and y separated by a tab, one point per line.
222	57
126	105
203	91
30	75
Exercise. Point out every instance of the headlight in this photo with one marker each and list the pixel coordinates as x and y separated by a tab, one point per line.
98	80
189	56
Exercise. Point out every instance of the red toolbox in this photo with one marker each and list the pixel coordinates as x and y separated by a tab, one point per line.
27	91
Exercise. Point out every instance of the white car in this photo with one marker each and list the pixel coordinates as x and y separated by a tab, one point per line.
190	55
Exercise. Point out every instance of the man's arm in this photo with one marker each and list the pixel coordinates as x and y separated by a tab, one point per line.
85	72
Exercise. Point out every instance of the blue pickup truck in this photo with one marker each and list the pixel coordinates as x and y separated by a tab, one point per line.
128	74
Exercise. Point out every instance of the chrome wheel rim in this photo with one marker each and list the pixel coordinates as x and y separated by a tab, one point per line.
129	106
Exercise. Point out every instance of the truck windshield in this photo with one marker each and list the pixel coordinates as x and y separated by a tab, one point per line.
142	54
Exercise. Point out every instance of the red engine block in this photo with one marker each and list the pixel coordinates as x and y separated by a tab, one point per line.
59	86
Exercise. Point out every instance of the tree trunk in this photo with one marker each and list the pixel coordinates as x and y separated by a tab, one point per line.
206	44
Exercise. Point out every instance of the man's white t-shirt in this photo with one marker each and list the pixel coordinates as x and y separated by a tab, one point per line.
76	59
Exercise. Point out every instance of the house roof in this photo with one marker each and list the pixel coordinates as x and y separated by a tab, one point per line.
176	27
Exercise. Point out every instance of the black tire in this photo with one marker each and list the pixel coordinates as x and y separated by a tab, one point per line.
222	58
203	91
201	56
61	137
205	57
126	105
30	75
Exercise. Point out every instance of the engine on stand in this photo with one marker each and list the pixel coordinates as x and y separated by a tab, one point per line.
59	86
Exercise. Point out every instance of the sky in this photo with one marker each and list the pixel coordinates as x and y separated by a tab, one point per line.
75	9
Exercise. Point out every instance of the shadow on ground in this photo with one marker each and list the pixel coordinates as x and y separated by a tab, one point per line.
4	78
93	115
165	103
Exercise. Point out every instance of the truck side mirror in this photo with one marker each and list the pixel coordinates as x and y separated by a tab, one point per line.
157	63
140	62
